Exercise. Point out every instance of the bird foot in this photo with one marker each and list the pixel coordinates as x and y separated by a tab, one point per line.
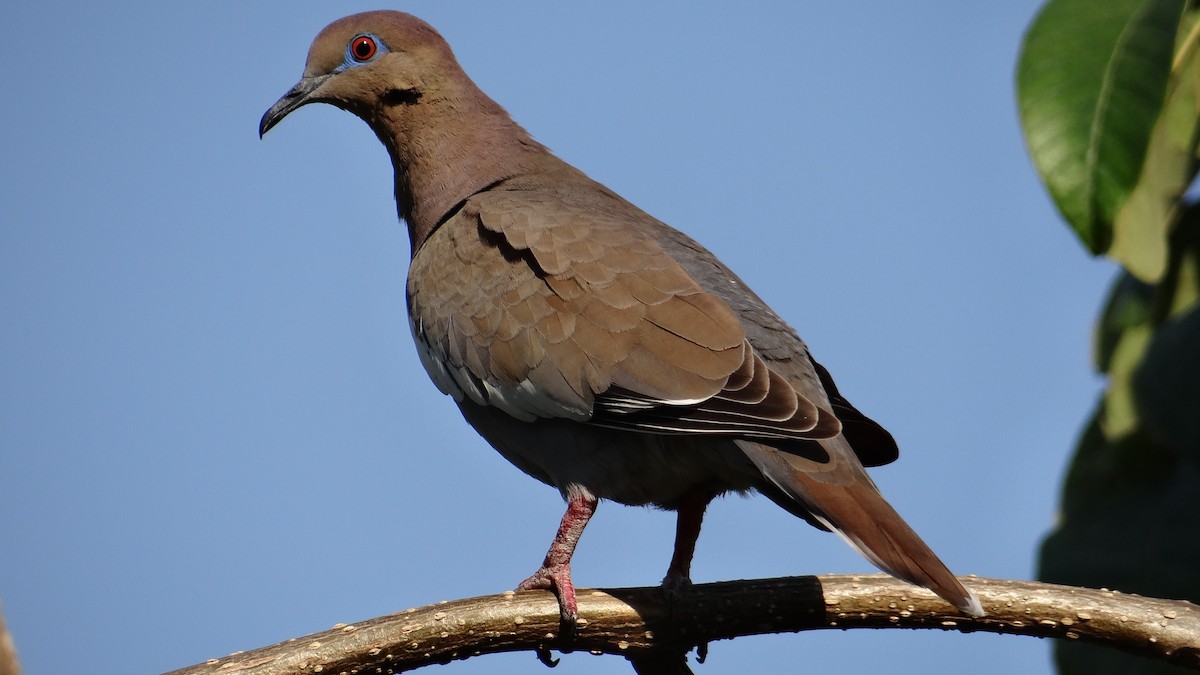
675	586
556	578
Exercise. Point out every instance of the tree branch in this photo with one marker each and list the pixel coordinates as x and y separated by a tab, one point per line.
8	651
637	623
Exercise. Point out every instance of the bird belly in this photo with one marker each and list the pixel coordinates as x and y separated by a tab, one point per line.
627	467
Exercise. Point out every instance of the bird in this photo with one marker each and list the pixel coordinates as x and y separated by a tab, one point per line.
599	350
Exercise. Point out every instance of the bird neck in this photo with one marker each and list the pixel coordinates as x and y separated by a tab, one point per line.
448	150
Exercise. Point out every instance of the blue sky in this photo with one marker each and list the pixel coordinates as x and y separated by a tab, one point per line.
214	430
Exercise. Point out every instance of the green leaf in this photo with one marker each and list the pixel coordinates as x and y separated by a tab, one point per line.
1091	81
1128	306
1128	523
1128	518
1167	384
1143	225
1121	415
1183	274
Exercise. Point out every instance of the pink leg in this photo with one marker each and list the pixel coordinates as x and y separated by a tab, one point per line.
555	572
687	529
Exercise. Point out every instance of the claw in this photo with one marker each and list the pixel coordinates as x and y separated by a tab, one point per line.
674	586
555	572
557	579
547	660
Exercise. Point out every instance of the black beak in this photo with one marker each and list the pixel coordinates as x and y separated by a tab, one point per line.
297	96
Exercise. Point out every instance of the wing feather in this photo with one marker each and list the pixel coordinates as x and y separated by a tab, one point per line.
551	307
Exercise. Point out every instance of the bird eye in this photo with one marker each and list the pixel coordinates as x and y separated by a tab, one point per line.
363	48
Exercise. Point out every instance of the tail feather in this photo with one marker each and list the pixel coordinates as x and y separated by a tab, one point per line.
841	496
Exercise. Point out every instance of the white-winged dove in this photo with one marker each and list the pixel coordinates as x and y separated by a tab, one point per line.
599	350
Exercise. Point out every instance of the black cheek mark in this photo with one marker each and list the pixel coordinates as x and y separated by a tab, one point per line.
401	97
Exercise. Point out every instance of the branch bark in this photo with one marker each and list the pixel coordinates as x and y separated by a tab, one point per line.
639	624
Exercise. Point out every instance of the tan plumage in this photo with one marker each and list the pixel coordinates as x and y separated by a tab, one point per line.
598	349
548	306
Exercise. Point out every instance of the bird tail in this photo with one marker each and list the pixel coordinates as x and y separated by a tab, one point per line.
839	494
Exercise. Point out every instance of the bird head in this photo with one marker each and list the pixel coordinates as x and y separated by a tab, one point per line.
369	63
446	138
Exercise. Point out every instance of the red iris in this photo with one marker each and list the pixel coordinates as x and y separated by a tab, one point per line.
363	48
